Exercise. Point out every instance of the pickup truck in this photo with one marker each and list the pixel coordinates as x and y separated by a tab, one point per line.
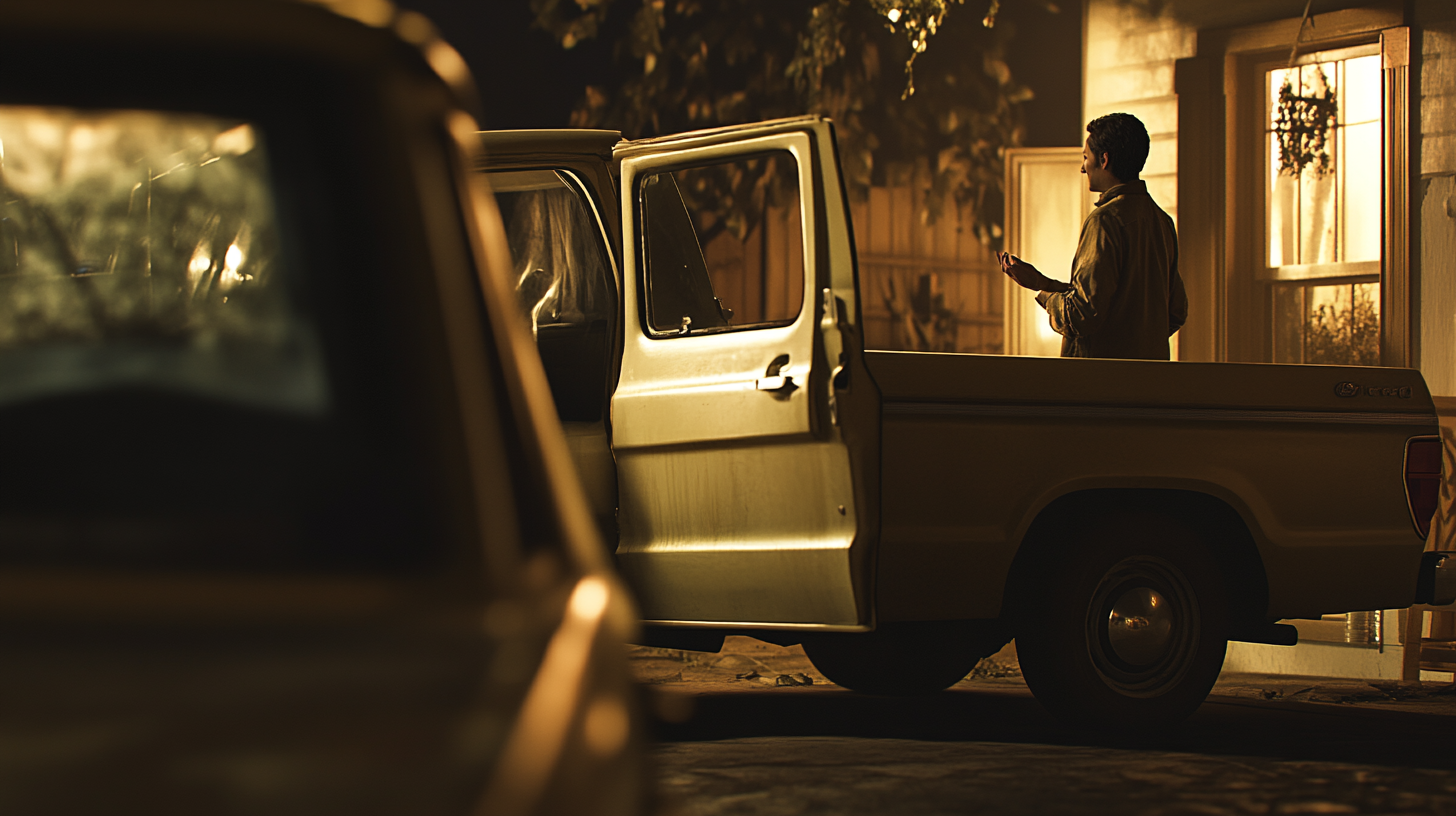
904	514
287	523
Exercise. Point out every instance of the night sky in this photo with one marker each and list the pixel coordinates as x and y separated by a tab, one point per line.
527	81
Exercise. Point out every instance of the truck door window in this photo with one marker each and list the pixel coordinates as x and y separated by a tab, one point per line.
561	283
723	246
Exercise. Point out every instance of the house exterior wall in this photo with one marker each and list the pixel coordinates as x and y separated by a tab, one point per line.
1131	62
1178	65
1436	223
1129	66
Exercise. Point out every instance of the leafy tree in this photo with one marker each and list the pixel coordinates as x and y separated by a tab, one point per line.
687	64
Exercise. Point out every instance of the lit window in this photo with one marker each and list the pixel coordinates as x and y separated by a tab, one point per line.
1322	168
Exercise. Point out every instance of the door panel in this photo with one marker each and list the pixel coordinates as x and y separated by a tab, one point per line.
739	534
736	498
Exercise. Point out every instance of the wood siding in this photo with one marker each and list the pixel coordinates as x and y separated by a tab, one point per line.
1435	226
1130	57
909	271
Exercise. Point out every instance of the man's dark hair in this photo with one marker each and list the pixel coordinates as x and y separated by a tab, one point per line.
1124	139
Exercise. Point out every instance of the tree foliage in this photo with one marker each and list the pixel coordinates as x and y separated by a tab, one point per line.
1344	333
689	64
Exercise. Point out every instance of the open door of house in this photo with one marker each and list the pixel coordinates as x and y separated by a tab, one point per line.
1046	200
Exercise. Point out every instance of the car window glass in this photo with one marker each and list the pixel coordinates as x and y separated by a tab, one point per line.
561	280
140	248
723	245
162	367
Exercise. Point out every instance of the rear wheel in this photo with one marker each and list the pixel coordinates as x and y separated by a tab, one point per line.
905	658
1131	629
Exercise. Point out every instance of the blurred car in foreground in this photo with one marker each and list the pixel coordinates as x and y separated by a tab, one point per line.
287	524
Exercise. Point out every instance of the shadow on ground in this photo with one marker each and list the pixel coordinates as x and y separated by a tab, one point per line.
718	698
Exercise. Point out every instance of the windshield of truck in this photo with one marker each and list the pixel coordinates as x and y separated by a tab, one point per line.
561	279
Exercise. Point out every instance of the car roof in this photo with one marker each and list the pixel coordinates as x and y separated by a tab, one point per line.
321	28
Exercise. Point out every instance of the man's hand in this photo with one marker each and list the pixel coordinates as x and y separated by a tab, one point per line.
1028	276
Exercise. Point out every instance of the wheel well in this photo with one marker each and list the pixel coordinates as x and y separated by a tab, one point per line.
1217	524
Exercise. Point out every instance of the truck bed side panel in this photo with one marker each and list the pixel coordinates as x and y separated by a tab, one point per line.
975	446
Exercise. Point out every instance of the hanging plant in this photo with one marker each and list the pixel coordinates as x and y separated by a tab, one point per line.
1303	125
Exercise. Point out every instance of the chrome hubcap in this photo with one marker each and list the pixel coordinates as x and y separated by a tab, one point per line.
1143	626
1140	626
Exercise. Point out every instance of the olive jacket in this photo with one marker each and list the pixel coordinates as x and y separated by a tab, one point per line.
1126	297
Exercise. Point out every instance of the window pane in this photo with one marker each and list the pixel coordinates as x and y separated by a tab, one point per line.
1316	190
140	249
164	383
1361	162
1343	324
1317	78
1289	324
1283	212
1361	100
561	275
1317	215
1276	82
725	245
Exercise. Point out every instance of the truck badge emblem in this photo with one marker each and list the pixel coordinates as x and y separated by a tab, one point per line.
1347	389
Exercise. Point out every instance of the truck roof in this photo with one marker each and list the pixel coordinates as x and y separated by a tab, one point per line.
550	140
578	141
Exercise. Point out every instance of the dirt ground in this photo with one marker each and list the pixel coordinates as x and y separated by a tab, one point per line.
746	664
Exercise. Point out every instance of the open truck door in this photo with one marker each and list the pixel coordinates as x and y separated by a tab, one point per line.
737	501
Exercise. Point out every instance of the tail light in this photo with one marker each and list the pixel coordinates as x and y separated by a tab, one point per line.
1423	480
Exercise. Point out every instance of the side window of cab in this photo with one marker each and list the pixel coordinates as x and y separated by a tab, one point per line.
723	246
561	276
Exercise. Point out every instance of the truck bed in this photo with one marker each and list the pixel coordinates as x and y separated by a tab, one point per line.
1289	449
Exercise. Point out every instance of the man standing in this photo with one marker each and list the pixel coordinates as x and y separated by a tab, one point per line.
1126	297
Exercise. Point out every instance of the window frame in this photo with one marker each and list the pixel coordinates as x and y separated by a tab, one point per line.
803	184
1336	272
1221	136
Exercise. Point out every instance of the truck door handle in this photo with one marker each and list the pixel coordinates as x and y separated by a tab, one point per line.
775	381
781	384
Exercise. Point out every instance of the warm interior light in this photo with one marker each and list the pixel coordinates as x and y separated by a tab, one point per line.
234	141
231	260
198	266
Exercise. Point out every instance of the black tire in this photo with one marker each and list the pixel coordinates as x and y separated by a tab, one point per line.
1130	628
904	659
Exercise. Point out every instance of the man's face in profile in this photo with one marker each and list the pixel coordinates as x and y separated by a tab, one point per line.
1099	179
